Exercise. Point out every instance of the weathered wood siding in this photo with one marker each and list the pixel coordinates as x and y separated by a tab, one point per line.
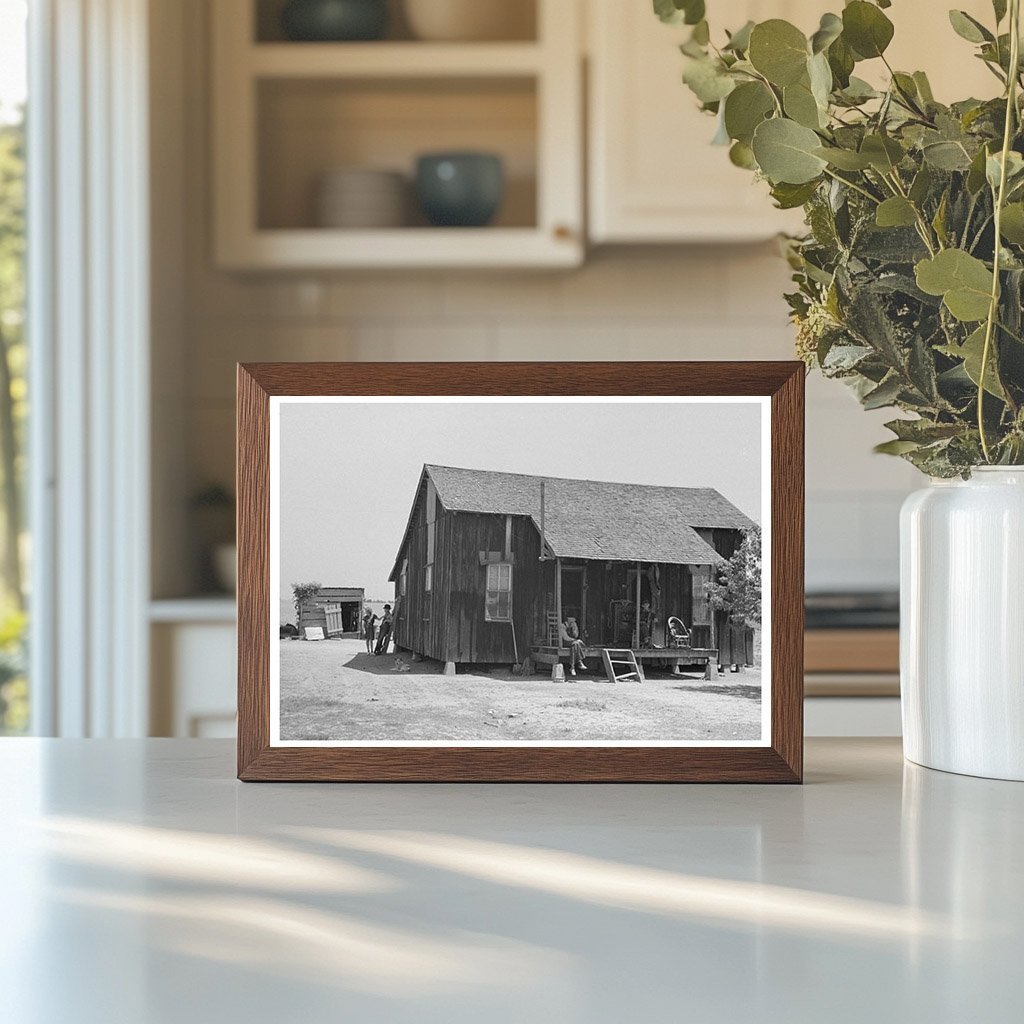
470	638
313	614
418	625
448	623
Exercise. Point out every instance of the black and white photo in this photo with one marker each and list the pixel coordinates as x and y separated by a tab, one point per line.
520	571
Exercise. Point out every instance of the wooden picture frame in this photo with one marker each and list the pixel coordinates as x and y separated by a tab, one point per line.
779	759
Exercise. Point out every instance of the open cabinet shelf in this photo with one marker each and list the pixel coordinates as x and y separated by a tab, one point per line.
286	114
393	60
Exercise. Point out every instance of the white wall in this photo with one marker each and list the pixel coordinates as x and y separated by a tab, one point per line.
666	303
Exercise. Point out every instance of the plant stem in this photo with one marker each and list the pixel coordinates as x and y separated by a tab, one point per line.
923	228
993	309
856	188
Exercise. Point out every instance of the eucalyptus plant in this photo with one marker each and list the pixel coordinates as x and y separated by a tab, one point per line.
910	278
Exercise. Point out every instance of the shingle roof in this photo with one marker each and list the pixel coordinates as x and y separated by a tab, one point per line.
598	519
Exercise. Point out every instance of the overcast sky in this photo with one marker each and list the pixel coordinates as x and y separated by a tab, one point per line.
349	471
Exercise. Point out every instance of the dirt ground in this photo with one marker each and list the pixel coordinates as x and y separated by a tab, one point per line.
334	690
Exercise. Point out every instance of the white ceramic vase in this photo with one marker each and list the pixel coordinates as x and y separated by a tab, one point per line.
962	624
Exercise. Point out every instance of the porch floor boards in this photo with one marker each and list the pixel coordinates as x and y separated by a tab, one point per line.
547	655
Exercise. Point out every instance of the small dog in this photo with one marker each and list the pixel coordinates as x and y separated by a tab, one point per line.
401	666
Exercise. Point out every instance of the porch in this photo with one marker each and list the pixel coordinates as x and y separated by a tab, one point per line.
545	654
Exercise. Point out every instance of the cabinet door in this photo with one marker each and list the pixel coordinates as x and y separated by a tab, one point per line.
654	177
286	113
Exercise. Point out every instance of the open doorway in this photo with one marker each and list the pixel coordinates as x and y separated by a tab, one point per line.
574	595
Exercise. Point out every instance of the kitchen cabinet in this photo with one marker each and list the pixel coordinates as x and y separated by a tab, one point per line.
653	175
193	667
287	113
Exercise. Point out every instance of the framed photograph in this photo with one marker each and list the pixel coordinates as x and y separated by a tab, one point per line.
557	572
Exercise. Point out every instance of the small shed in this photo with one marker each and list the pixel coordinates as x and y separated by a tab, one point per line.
337	610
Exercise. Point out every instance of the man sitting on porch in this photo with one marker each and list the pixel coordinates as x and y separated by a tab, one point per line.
570	636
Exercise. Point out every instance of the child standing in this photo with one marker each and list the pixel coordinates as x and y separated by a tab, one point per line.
369	629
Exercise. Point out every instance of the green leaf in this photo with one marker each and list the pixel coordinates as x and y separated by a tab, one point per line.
883	153
745	108
739	41
858	91
963	281
741	155
921	185
866	29
924	87
829	30
999	7
896	447
896	212
994	169
789	197
694	49
939	220
844	159
785	152
820	77
778	50
676	12
1012	225
906	89
841	60
884	395
800	105
976	174
708	80
947	156
923	431
969	28
971	352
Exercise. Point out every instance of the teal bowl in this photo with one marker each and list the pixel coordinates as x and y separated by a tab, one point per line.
460	190
334	21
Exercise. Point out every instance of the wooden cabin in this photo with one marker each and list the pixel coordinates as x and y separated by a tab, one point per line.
491	562
336	610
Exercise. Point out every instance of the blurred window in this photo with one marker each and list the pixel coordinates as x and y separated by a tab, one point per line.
14	547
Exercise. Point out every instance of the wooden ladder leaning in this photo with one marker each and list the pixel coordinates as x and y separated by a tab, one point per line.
624	657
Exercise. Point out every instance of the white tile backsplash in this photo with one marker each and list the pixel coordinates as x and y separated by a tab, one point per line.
714	303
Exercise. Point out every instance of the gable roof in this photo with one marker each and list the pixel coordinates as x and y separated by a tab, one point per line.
597	519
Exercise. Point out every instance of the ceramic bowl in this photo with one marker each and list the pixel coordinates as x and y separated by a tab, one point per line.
334	20
359	197
460	189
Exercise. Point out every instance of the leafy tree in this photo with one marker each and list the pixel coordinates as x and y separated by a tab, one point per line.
738	587
910	277
13	396
302	592
14	706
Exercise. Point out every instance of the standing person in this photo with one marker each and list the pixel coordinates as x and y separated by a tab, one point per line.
384	636
646	624
369	629
570	635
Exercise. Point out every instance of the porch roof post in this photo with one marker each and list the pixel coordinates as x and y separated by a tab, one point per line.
558	599
636	623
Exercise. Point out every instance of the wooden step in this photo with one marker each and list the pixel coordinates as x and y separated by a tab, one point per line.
614	656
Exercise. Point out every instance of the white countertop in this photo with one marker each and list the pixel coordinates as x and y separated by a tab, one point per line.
143	885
